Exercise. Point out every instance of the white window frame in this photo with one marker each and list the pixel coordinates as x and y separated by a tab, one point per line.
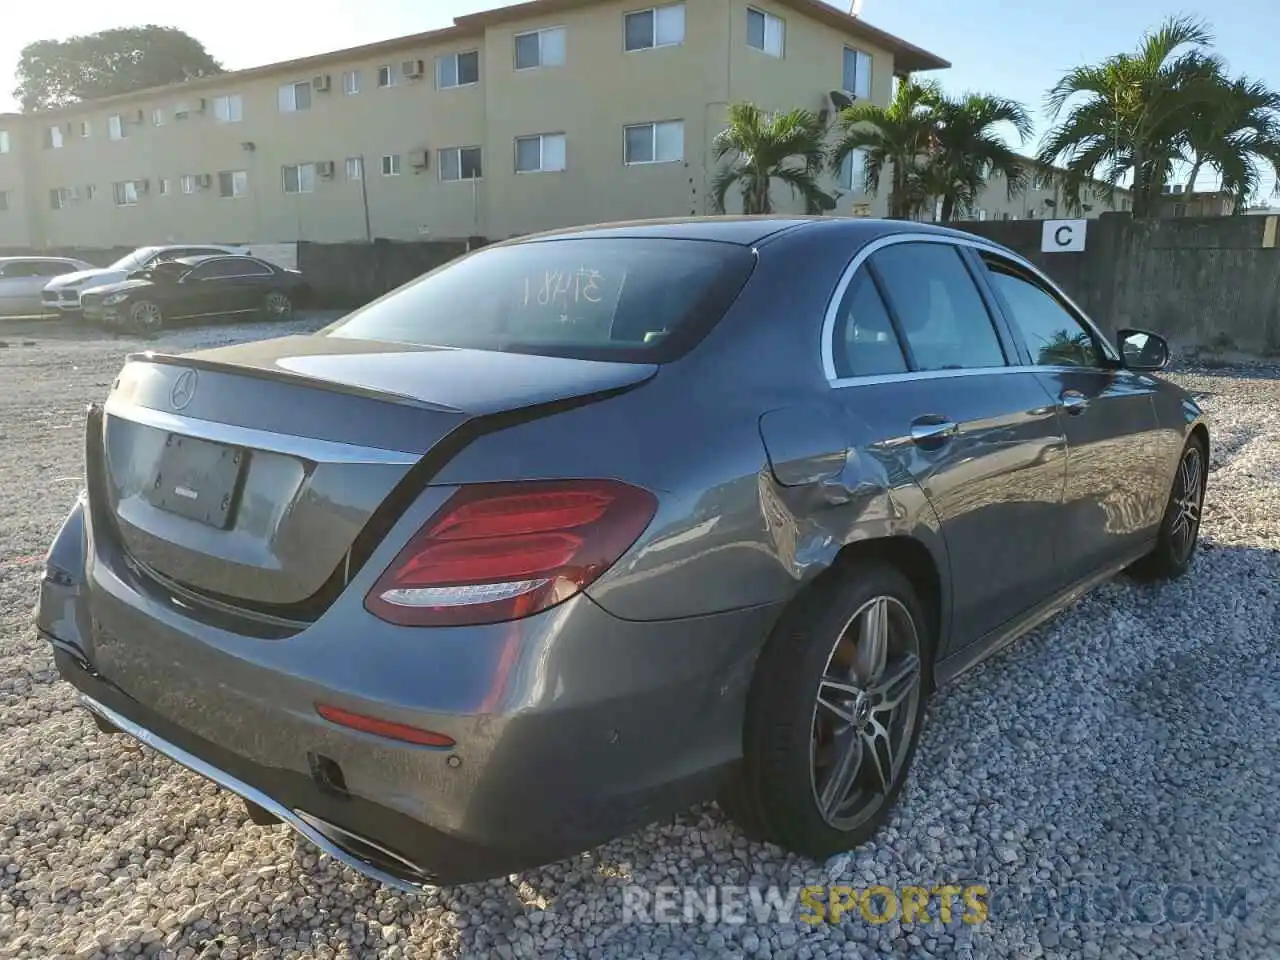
4	141
859	58
223	105
5	196
290	105
654	44
458	150
390	165
780	31
188	184
848	167
90	191
388	72
455	57
239	184
542	152
64	198
541	34
165	186
55	138
125	193
115	127
355	168
86	128
653	126
303	187
157	116
350	82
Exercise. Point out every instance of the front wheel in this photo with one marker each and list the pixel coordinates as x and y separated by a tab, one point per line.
1180	528
834	714
277	305
145	317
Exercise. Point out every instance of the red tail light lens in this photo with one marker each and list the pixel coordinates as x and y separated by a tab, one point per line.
501	551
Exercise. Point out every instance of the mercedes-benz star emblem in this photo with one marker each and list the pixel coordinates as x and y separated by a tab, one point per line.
183	389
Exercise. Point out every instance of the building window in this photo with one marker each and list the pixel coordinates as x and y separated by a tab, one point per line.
164	186
230	108
654	142
90	191
541	154
857	73
458	69
294	97
351	81
126	193
300	178
4	200
188	183
157	117
391	165
233	183
853	171
53	138
181	111
982	215
460	163
355	168
115	127
386	76
85	129
659	27
541	48
765	32
4	141
59	197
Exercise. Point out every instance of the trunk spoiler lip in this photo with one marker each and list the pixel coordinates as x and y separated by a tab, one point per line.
288	376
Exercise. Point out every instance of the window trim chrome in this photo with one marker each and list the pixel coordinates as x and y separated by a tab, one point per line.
977	243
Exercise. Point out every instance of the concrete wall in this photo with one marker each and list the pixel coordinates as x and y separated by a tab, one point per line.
1209	283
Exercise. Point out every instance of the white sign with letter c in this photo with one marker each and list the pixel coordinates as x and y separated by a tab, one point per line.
1063	236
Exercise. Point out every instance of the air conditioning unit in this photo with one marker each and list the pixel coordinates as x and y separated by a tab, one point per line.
1178	189
73	193
411	69
325	169
205	181
320	84
420	159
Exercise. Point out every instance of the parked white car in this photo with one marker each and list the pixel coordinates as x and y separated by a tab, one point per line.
23	278
63	293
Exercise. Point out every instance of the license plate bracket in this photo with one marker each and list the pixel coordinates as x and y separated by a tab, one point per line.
198	479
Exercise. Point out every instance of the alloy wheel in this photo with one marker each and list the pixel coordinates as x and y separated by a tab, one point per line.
147	316
1188	501
865	712
278	305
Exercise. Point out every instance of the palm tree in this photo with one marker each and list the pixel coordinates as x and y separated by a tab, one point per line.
770	146
1233	135
899	136
967	149
1128	114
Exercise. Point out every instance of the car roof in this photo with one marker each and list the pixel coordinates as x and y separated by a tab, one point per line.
203	257
42	259
746	231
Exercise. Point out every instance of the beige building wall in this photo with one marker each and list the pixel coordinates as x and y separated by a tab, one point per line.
68	192
1043	199
15	193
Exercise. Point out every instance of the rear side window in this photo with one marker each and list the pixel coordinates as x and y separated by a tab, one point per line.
940	312
865	342
637	299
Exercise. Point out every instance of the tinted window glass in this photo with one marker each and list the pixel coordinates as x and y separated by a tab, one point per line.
865	342
54	268
218	268
943	317
21	268
1054	336
616	299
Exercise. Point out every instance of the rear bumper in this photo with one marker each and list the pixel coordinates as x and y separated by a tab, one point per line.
571	728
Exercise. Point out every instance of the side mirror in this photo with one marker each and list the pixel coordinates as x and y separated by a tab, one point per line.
1143	350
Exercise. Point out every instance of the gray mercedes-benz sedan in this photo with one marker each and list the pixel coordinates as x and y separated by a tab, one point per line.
585	527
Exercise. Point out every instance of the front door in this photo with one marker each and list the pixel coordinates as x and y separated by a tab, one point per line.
207	291
1112	503
924	375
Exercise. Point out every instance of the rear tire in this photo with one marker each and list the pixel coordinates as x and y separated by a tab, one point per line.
277	305
820	776
1180	528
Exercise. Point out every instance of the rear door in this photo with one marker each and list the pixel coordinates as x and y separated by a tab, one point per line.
209	290
248	286
928	373
1113	498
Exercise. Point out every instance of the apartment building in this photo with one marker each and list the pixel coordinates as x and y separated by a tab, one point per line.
545	114
1043	198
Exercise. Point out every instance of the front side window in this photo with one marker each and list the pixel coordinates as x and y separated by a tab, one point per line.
941	314
230	108
540	48
857	73
233	183
458	69
661	142
594	298
765	32
295	96
299	178
541	154
659	27
865	342
1053	336
460	163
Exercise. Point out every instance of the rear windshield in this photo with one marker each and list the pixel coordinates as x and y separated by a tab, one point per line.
642	300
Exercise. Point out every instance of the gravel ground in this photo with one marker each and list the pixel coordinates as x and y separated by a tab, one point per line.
1132	741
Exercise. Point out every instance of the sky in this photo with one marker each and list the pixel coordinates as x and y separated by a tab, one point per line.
1013	49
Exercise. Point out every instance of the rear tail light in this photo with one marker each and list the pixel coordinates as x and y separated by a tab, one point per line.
501	551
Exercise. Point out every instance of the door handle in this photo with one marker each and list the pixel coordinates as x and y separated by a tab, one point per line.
1073	401
932	431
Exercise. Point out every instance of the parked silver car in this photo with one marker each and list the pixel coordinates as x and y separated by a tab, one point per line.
23	278
63	294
